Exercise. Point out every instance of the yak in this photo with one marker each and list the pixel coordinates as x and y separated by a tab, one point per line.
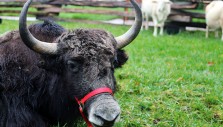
50	75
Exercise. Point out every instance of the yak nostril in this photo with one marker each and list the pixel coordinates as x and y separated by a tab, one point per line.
108	116
110	119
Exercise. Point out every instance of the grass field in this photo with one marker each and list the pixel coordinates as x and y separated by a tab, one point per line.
173	80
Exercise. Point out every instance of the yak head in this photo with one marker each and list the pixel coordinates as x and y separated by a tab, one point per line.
86	60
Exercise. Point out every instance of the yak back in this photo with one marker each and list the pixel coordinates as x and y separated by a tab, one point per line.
21	79
16	59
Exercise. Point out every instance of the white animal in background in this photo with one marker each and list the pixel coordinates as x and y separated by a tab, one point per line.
158	10
214	17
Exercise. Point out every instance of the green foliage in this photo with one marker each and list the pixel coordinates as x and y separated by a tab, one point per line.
167	81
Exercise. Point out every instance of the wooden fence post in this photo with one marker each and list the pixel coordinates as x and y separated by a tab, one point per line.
126	9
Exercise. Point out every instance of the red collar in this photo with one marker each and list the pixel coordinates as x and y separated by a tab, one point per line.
88	96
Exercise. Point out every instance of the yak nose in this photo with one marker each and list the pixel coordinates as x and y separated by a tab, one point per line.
107	114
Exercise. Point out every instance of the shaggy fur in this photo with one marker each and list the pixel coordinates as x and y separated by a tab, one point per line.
39	90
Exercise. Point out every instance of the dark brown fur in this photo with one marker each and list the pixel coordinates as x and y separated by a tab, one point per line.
38	90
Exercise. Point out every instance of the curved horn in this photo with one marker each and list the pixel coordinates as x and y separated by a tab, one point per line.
131	34
29	39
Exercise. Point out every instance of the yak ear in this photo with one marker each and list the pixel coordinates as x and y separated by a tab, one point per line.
120	59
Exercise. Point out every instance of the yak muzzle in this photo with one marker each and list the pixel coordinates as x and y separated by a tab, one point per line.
104	111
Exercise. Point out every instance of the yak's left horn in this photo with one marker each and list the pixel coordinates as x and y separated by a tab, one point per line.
29	39
132	33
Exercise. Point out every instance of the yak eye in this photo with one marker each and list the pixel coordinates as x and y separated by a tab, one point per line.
73	65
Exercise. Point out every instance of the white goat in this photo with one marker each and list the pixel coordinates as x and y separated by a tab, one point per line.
214	17
158	10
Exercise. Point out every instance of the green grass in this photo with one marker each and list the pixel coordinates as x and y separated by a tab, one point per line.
174	80
167	81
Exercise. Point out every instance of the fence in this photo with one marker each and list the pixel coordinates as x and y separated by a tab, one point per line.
54	7
46	8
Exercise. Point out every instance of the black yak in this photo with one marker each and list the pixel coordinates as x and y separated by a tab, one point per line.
48	74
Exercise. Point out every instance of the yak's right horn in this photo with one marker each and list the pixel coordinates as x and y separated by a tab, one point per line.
132	33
